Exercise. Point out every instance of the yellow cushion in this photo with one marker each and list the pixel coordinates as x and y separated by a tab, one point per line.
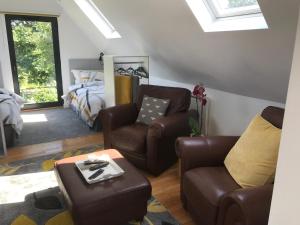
252	161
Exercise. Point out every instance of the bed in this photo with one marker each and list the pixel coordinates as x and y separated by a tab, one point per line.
10	115
85	96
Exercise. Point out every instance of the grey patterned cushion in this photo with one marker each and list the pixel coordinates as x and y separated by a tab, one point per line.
152	108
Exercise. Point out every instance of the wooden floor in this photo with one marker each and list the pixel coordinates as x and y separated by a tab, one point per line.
165	187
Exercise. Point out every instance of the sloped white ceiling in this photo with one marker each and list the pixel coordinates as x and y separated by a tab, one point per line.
30	6
251	63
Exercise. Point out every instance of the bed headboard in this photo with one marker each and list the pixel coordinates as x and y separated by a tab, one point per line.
83	64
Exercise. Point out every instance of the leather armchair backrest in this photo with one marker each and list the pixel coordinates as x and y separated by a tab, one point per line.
180	98
274	115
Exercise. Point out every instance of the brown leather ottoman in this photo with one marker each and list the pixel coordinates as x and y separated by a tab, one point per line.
111	202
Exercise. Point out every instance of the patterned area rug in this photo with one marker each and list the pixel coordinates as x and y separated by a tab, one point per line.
30	196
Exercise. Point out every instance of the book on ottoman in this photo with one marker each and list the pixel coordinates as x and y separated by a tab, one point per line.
110	171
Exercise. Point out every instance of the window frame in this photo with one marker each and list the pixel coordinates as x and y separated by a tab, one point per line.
218	12
211	23
56	51
94	14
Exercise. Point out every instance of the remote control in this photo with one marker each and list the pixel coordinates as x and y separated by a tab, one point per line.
96	174
90	162
98	166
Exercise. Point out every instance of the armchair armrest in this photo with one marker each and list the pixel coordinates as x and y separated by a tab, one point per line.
115	117
170	126
161	137
203	151
246	206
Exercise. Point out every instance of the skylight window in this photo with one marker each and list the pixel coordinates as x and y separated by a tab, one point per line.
228	15
227	8
98	19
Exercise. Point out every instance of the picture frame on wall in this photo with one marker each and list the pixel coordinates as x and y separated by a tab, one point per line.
3	149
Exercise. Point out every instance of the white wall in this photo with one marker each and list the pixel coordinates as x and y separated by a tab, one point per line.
6	74
254	63
228	114
191	58
286	197
73	42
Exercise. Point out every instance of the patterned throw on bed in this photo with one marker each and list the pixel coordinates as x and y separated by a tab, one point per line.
86	100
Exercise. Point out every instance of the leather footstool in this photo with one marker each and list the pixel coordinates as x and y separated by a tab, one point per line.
112	202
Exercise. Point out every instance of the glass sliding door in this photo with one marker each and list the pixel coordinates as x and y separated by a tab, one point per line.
35	59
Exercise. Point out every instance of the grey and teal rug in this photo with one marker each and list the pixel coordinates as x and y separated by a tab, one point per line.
30	196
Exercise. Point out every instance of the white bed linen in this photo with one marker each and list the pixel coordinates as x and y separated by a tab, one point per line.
86	99
10	109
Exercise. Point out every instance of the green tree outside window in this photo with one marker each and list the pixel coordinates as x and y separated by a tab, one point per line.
35	60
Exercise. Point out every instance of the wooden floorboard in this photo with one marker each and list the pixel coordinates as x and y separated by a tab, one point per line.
165	187
29	151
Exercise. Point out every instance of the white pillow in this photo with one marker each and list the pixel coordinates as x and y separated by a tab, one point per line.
84	76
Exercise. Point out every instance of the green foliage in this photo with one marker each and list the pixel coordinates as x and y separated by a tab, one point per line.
35	59
40	94
195	128
240	3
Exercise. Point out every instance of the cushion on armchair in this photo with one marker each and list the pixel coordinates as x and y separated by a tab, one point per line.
152	108
252	161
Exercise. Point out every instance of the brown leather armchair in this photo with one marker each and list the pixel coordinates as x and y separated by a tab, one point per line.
208	191
148	147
